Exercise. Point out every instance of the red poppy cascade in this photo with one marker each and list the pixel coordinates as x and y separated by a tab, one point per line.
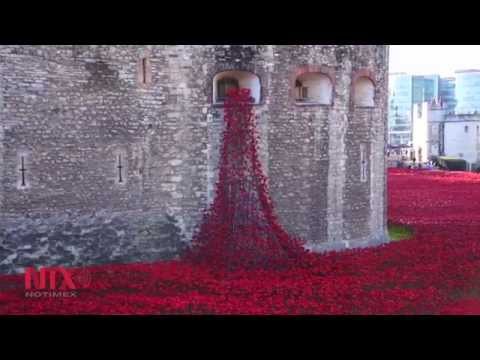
240	228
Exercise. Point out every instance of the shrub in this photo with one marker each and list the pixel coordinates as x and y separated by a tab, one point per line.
452	164
476	167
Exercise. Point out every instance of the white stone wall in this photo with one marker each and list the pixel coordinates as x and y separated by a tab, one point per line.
426	130
421	132
459	143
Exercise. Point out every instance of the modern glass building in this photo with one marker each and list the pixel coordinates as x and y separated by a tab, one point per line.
425	88
400	108
467	91
447	93
405	91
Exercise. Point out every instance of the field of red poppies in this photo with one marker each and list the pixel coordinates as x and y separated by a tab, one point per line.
435	272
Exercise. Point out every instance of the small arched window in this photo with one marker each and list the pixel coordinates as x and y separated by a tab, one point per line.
313	88
364	92
235	79
224	86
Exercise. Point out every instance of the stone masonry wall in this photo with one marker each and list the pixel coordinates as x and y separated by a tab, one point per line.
72	111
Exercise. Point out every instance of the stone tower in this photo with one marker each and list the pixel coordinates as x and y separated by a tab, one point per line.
109	153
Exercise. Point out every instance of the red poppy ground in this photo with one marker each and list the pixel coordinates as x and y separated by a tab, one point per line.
435	272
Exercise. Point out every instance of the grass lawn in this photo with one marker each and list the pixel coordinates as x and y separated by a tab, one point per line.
399	232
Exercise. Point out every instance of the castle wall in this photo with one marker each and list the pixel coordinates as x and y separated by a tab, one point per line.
72	111
2	165
70	115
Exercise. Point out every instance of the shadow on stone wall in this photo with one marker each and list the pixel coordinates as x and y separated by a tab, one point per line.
89	239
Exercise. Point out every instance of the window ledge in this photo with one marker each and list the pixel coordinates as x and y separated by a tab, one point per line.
365	106
221	104
310	103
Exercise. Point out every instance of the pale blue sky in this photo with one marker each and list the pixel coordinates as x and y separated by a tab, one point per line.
434	59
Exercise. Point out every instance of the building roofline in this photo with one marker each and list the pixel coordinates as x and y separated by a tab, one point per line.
467	71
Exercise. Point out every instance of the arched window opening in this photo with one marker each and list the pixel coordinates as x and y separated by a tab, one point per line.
364	92
224	81
224	86
313	88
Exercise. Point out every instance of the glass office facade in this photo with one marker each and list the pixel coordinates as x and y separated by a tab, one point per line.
467	91
447	93
405	91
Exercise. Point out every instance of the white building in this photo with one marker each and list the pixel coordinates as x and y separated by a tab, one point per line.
462	129
427	130
462	137
436	129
